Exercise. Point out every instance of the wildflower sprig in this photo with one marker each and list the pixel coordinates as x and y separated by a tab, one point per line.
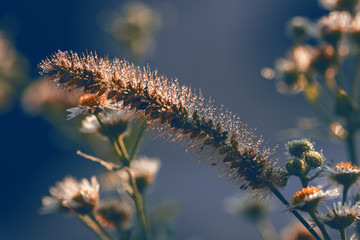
118	143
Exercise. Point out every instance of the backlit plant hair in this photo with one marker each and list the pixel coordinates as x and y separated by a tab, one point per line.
176	111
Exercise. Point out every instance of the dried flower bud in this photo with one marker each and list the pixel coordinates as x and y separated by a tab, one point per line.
296	167
314	159
298	148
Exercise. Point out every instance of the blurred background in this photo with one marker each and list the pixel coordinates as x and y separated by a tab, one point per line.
218	46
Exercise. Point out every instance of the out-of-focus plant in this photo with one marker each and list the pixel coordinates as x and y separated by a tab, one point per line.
135	25
323	65
13	73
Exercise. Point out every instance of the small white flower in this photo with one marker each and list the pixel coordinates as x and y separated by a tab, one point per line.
345	174
341	216
71	195
144	170
115	122
308	198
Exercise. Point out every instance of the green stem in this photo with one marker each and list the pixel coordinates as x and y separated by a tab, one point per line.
350	142
342	233
345	191
304	181
137	143
124	158
102	229
108	134
340	75
92	226
320	225
294	212
355	81
138	203
120	144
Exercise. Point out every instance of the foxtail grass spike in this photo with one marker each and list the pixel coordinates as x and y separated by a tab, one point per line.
178	112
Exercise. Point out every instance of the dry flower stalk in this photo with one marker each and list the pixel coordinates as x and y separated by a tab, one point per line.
176	111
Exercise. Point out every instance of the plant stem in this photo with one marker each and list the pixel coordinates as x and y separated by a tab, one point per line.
93	226
304	181
345	191
350	142
138	203
103	231
320	225
355	81
124	158
120	144
137	142
342	233
340	74
108	134
296	214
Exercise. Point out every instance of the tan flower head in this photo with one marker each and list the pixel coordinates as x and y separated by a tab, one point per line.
72	196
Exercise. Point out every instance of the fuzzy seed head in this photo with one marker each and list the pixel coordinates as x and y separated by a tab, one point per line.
314	159
178	112
296	167
298	148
